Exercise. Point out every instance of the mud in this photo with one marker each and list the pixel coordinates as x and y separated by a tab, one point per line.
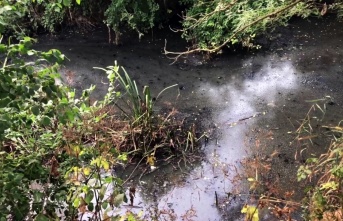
268	89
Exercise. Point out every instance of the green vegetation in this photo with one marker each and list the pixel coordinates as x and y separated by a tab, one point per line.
214	24
137	15
323	174
207	25
57	150
42	163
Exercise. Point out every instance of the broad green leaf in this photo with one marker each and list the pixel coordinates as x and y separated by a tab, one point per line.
77	202
37	196
90	206
45	121
104	205
78	2
35	110
66	3
109	179
89	196
70	115
102	192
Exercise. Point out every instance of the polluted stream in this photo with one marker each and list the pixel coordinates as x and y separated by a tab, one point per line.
248	103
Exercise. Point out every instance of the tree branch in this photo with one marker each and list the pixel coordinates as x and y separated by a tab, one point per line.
177	55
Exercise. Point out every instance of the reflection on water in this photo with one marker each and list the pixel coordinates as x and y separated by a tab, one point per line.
239	102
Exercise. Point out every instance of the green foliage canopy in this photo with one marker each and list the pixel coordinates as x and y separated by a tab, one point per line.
209	24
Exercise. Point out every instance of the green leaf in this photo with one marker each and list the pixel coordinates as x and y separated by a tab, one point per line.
109	179
37	196
4	102
41	217
3	48
66	3
45	121
78	2
35	110
77	202
90	206
89	196
118	199
70	115
104	205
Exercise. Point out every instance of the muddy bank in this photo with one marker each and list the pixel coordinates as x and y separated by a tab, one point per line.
253	100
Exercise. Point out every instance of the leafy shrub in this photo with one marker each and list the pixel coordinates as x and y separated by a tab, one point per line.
12	17
210	25
137	15
57	151
42	164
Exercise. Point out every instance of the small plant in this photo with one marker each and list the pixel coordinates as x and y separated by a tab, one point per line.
149	131
324	200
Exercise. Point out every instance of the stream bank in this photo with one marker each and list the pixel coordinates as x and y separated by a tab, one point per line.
253	100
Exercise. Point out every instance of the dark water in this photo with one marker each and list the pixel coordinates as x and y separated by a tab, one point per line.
253	100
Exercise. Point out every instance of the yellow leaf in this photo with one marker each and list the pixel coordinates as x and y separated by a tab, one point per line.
329	185
251	179
86	171
96	161
151	160
251	213
105	164
140	214
76	150
244	209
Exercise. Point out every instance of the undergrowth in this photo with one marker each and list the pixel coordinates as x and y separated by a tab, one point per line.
58	151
